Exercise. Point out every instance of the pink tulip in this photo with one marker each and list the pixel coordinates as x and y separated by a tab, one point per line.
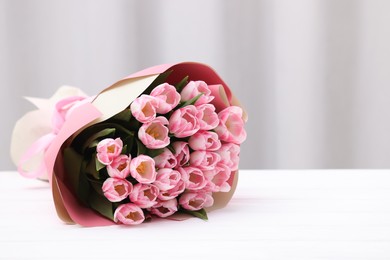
129	214
204	160
230	155
116	189
217	178
154	135
164	209
108	149
142	168
205	140
184	121
193	178
144	108
166	159
208	119
196	200
119	168
231	126
167	179
193	89
144	195
182	152
174	192
167	96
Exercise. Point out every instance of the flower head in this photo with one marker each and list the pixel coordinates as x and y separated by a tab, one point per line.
184	121
108	149
196	200
193	89
208	118
116	189
154	135
129	214
167	179
231	126
182	152
144	195
193	178
204	160
166	159
119	167
167	96
205	140
218	178
142	168
144	108
230	153
174	192
165	208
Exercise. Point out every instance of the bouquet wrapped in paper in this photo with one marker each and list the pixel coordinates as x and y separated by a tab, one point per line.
163	142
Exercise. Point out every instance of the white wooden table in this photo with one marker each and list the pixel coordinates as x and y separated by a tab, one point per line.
274	214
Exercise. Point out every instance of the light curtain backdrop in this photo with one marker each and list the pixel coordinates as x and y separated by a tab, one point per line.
313	75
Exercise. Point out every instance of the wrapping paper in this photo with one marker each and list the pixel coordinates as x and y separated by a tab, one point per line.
47	162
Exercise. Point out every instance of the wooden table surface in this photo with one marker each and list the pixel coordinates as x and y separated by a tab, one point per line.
274	214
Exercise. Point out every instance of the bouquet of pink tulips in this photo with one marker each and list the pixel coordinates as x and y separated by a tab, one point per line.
160	142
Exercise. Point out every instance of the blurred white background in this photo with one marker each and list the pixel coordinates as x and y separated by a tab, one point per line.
314	75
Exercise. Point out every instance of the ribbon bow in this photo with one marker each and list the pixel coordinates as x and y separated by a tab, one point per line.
61	111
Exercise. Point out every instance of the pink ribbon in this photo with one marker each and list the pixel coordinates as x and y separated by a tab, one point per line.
62	110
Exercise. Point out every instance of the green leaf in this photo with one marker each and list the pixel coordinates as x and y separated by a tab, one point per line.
179	86
141	148
84	185
72	163
99	165
97	186
119	129
133	125
202	214
170	148
154	152
101	204
162	78
191	101
105	133
124	149
93	144
92	167
104	130
124	116
128	143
